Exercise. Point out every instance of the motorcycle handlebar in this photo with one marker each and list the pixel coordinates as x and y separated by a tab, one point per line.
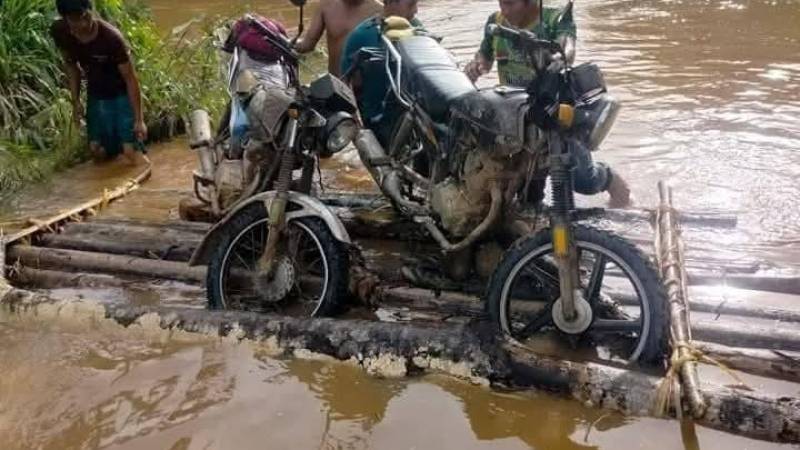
525	38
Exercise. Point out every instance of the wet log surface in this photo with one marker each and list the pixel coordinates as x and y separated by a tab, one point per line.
470	351
76	260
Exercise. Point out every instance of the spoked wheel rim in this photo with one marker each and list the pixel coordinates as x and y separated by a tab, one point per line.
538	267
242	286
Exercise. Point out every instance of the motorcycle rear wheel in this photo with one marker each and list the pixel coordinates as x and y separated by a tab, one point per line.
524	287
312	278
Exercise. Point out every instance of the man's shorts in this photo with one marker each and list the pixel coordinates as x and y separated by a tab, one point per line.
109	122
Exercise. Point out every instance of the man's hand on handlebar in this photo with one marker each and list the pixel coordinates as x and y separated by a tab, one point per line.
477	67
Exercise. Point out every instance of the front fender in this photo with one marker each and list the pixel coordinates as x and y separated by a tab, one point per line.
299	205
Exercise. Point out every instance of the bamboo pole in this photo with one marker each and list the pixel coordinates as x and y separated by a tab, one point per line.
670	262
91	205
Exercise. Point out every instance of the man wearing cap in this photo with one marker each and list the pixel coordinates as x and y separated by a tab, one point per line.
93	48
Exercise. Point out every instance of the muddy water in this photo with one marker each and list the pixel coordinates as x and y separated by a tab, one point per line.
710	93
78	383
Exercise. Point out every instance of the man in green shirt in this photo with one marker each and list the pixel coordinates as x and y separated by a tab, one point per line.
514	69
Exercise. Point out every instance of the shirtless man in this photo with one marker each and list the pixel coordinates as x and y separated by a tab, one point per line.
337	18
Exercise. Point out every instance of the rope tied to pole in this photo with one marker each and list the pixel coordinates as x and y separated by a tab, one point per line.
678	359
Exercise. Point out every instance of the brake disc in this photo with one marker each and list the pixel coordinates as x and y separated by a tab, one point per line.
278	287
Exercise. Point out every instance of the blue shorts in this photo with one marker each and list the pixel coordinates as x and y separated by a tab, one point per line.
109	122
590	177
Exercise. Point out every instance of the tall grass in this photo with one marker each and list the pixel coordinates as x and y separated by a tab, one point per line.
177	71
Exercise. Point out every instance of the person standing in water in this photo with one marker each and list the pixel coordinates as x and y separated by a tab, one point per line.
514	69
94	48
337	18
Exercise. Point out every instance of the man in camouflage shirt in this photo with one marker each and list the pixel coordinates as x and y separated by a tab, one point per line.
513	67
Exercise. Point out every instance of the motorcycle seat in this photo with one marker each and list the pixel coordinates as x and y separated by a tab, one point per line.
431	75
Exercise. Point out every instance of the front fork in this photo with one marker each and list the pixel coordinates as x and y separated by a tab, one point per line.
277	208
564	249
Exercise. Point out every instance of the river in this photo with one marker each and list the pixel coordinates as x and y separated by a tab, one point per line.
710	104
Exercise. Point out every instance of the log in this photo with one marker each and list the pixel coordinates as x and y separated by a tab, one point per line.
781	284
153	246
178	225
766	363
385	224
76	260
723	308
54	279
467	351
756	336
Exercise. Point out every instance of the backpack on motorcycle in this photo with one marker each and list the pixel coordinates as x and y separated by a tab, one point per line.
247	36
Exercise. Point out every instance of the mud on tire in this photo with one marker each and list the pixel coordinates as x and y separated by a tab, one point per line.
335	252
656	345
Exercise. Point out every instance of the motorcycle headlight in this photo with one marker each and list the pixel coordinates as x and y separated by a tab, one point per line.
341	130
598	117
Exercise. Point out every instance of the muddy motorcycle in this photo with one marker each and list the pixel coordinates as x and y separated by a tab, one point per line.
461	162
278	249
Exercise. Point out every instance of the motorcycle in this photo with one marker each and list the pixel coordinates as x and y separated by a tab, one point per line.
461	162
277	248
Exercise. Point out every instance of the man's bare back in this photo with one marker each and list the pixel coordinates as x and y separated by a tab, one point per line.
337	18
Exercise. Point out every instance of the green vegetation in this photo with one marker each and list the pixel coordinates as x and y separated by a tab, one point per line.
178	72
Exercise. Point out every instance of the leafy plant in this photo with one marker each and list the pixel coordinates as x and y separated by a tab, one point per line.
36	132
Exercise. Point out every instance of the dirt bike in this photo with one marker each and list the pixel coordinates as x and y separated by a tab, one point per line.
278	248
461	162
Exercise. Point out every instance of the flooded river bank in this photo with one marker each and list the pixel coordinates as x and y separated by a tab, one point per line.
710	93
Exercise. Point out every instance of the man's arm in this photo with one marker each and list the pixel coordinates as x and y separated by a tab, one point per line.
135	97
483	61
313	34
566	31
74	84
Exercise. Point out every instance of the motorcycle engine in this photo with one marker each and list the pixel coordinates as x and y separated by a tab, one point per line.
490	143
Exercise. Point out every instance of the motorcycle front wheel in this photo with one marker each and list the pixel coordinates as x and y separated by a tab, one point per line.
311	270
627	298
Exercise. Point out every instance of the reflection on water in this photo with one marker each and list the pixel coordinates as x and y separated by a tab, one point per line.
80	383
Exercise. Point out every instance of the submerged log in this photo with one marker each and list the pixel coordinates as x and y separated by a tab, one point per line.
465	351
55	279
781	284
723	308
767	363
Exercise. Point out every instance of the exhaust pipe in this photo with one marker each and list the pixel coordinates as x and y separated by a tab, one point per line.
200	140
382	170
